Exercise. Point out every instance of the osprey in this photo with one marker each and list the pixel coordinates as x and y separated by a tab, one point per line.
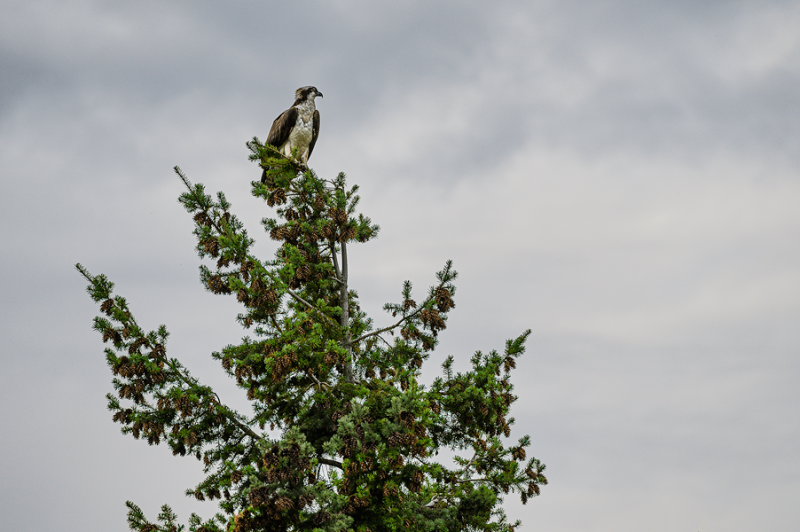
296	127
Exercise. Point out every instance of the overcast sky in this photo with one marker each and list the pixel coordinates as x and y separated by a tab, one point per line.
621	177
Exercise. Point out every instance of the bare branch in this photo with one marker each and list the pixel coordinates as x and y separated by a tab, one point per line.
390	327
337	273
329	462
465	471
344	303
384	341
332	247
344	274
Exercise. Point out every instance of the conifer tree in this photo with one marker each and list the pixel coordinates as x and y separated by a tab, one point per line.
342	435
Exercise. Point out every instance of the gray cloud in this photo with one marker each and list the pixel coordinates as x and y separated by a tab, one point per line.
619	177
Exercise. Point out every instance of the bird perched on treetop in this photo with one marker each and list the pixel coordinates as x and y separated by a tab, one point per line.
297	127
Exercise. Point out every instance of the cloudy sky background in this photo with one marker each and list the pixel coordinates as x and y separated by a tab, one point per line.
621	177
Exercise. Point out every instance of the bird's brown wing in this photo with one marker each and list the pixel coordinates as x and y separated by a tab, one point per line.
316	133
279	133
281	127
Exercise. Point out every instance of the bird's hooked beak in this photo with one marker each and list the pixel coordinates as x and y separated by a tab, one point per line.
319	94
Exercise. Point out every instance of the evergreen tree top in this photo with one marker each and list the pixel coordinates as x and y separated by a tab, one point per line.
358	433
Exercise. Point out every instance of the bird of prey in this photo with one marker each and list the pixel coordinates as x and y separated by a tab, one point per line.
297	127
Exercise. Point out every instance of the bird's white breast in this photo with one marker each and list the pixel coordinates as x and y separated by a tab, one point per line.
303	130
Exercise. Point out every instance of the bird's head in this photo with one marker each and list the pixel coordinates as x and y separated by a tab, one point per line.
306	93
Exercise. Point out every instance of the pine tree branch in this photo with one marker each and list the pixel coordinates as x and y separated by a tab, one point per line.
390	327
294	162
178	371
191	382
320	385
300	473
226	230
299	298
83	271
385	342
473	480
329	462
